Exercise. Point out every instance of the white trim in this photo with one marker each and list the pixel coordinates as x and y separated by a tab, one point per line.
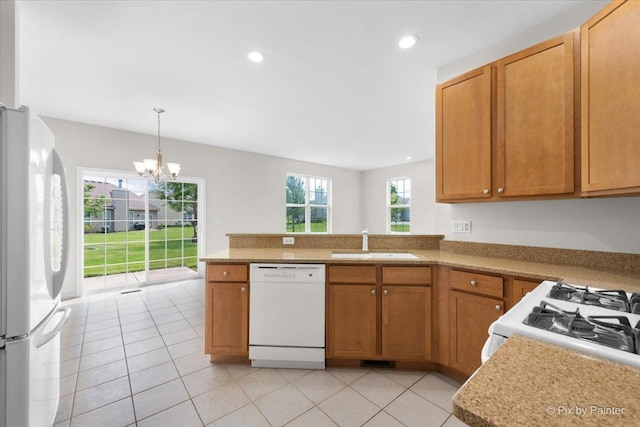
307	205
389	206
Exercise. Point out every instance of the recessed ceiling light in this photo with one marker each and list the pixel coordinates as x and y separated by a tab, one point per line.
408	157
408	41
255	56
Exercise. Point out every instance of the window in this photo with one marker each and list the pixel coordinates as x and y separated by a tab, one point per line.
399	205
308	204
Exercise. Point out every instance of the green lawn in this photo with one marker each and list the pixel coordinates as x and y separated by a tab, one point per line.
316	227
401	227
124	251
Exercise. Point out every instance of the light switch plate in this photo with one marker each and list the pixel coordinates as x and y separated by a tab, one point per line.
288	240
461	226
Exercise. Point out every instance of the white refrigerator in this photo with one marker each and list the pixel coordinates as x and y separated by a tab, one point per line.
33	260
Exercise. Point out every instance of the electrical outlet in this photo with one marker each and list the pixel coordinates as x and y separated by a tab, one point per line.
288	240
461	226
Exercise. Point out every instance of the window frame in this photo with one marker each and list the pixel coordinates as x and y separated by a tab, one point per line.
390	206
307	205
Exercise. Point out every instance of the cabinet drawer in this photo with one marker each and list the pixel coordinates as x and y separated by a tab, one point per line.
406	275
227	273
352	274
477	283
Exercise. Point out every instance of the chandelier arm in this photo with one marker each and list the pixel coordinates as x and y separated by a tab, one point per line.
159	111
156	171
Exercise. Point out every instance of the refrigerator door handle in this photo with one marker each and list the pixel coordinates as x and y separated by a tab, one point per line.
58	276
49	333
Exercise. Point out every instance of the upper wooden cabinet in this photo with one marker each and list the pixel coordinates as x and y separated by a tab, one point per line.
463	136
536	139
610	94
507	130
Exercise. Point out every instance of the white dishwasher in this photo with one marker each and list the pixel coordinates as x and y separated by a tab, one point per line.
286	316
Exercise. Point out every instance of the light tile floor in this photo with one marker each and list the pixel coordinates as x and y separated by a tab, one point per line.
137	359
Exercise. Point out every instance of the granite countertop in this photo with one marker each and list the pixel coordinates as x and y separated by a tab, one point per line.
531	383
579	275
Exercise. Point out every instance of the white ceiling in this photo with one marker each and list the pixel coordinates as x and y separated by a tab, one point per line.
334	89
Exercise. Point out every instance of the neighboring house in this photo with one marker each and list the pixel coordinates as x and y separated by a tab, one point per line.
122	209
168	216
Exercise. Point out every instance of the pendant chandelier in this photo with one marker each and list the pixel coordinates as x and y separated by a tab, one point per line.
154	168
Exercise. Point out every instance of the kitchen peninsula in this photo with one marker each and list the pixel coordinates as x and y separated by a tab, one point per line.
459	277
483	280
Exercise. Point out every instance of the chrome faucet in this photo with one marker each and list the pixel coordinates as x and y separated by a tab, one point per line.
365	239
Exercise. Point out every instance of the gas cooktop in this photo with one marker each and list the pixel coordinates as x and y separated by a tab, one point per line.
595	321
617	300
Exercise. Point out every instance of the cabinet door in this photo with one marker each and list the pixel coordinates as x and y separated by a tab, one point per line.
521	288
470	317
610	107
351	321
463	137
227	325
535	120
406	323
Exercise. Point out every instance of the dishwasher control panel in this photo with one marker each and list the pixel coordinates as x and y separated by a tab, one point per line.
306	273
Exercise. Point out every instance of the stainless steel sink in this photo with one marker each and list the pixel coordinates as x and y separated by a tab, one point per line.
374	255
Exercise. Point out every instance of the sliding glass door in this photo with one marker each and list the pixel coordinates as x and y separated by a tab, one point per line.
136	232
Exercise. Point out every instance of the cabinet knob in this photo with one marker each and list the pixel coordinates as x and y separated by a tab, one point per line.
386	292
473	283
500	190
486	191
225	273
373	291
498	307
243	289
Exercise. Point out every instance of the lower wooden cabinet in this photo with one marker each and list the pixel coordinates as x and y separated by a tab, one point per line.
227	322
469	319
351	321
371	320
227	310
521	288
406	323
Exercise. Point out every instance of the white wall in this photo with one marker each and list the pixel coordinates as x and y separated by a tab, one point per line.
245	191
611	224
539	33
374	196
9	71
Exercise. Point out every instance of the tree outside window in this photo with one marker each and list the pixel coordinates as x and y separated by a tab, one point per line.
399	205
307	209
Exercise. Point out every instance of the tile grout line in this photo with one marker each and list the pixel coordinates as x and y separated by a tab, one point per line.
170	298
126	362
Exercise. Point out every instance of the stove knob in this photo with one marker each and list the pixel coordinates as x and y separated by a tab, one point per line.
473	283
498	308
